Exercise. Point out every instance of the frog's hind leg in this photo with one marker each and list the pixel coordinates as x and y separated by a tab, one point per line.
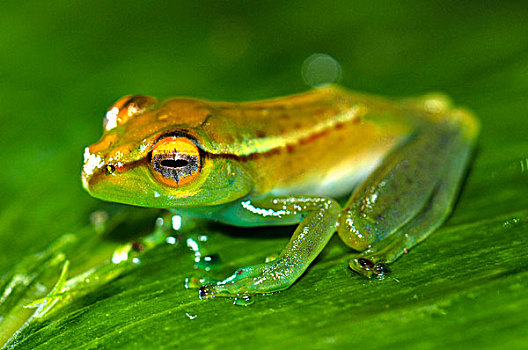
374	260
439	181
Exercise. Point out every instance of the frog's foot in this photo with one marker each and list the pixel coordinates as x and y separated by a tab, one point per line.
257	279
369	265
374	261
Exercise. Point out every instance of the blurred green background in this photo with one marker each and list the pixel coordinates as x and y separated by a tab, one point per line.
62	63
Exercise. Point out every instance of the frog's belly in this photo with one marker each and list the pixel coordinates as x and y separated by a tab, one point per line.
337	183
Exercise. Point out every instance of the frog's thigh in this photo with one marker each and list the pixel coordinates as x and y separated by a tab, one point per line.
318	215
404	200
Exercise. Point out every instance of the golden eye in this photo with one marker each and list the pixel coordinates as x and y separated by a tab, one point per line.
126	108
175	161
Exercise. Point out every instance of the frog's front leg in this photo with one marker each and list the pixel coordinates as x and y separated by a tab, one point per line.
317	217
409	195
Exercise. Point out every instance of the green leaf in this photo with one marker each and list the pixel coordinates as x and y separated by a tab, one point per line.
65	62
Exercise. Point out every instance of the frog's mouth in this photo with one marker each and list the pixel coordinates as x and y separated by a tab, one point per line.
111	173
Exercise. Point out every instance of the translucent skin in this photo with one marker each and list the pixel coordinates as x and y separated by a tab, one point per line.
284	161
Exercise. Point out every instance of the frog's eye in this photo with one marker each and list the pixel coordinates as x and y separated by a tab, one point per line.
175	161
126	108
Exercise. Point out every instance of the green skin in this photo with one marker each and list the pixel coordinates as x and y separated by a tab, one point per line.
407	195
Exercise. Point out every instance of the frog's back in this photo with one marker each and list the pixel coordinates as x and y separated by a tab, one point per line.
319	142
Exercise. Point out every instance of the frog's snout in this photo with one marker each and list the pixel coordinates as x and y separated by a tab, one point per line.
92	162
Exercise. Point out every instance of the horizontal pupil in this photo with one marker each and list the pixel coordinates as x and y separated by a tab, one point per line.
174	163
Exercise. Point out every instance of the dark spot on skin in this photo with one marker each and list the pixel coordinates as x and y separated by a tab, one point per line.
290	148
137	247
261	134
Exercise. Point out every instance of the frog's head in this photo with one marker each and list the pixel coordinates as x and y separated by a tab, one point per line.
157	155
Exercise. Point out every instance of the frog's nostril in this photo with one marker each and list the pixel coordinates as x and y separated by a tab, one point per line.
110	169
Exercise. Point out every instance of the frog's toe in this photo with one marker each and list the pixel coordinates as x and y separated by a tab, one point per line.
250	280
369	267
206	291
243	282
230	289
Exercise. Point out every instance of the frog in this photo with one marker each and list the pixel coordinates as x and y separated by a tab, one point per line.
384	173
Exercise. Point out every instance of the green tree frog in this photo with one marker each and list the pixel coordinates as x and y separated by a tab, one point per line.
285	161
